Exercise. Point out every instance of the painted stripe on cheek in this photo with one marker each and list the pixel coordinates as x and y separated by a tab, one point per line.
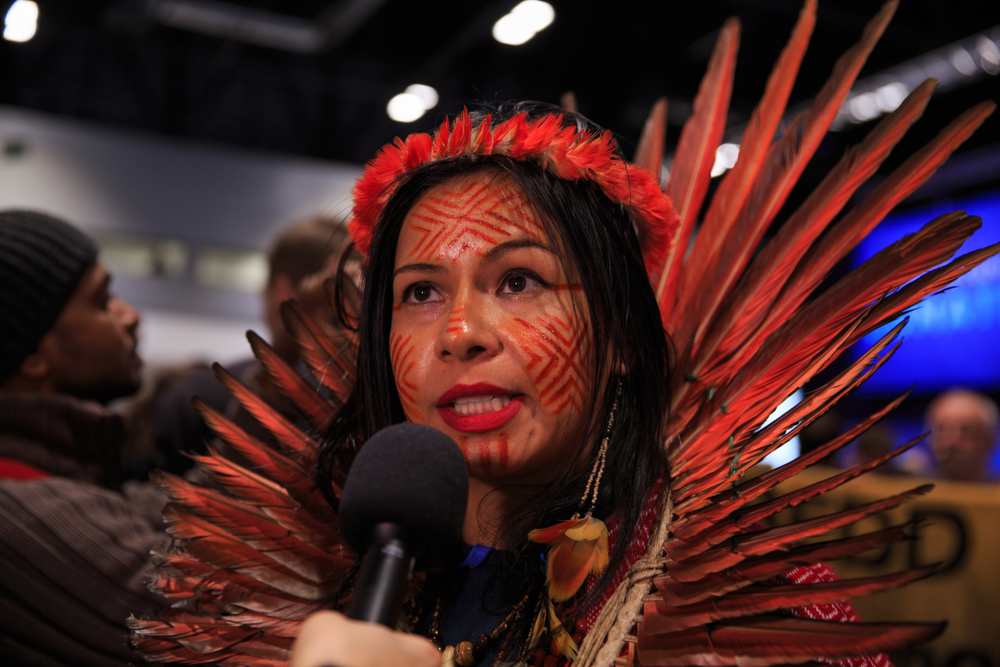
400	350
554	349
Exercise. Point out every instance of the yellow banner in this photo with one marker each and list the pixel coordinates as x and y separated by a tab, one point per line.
959	526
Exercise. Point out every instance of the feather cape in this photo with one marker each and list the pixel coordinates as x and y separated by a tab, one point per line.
253	559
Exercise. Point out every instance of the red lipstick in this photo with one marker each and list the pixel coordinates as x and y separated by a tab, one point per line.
481	422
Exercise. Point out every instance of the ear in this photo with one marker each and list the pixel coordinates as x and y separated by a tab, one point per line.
36	366
281	288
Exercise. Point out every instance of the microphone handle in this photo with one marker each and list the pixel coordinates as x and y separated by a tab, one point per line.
385	571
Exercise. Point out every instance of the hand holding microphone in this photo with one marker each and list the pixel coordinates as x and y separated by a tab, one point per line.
329	639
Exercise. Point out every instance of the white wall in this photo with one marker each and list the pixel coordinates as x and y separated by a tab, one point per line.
110	180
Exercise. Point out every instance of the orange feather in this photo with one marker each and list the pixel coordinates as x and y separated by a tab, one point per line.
579	547
694	158
719	227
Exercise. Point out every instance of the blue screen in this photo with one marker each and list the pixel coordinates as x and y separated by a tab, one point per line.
951	339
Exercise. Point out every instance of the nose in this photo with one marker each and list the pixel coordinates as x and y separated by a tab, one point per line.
467	334
125	314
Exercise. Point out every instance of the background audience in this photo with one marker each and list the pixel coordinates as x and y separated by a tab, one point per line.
74	550
303	250
964	426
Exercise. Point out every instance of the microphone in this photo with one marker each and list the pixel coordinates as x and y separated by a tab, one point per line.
403	507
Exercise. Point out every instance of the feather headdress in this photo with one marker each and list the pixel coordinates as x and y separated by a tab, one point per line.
563	150
253	559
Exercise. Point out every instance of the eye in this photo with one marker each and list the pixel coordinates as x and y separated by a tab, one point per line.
516	283
420	293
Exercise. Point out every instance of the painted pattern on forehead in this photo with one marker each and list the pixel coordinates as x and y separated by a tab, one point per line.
486	453
558	353
469	216
401	350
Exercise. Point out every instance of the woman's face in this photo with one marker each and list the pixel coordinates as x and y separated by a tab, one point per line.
486	344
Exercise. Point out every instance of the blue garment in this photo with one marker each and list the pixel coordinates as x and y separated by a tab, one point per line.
471	613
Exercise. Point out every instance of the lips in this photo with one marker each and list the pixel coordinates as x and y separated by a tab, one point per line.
475	408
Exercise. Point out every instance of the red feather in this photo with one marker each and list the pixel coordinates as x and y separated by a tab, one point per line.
846	234
756	446
693	521
738	327
695	156
767	567
331	364
649	152
286	472
680	549
783	164
298	392
760	641
780	538
719	230
288	435
660	616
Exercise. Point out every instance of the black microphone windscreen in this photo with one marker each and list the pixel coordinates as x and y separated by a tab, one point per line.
411	475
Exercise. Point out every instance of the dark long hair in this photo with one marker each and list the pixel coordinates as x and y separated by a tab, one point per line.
601	243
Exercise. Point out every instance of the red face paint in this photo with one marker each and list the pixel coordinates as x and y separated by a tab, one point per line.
487	455
490	338
401	350
559	351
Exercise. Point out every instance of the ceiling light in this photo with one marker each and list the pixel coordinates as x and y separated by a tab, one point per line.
428	96
864	107
963	62
890	96
405	108
21	21
989	55
537	15
523	22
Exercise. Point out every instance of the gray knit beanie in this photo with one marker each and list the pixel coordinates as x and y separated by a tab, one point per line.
42	260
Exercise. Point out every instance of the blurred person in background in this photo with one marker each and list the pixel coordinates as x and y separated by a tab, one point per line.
964	426
302	251
74	550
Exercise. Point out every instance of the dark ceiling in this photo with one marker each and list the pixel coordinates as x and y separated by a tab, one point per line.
112	62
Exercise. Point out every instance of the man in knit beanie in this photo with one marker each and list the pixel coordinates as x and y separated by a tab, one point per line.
62	329
74	551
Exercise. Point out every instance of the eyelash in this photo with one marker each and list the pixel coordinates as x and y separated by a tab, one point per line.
408	292
521	273
517	273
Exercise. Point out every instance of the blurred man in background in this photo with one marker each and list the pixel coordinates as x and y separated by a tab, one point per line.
303	250
74	551
964	426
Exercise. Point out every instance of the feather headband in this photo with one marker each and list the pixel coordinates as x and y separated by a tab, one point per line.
564	151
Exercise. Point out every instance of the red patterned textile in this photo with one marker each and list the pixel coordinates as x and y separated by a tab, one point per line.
842	610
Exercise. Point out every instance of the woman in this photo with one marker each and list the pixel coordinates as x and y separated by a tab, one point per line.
519	276
506	280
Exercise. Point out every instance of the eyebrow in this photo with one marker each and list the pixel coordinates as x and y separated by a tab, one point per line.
418	268
498	251
491	255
